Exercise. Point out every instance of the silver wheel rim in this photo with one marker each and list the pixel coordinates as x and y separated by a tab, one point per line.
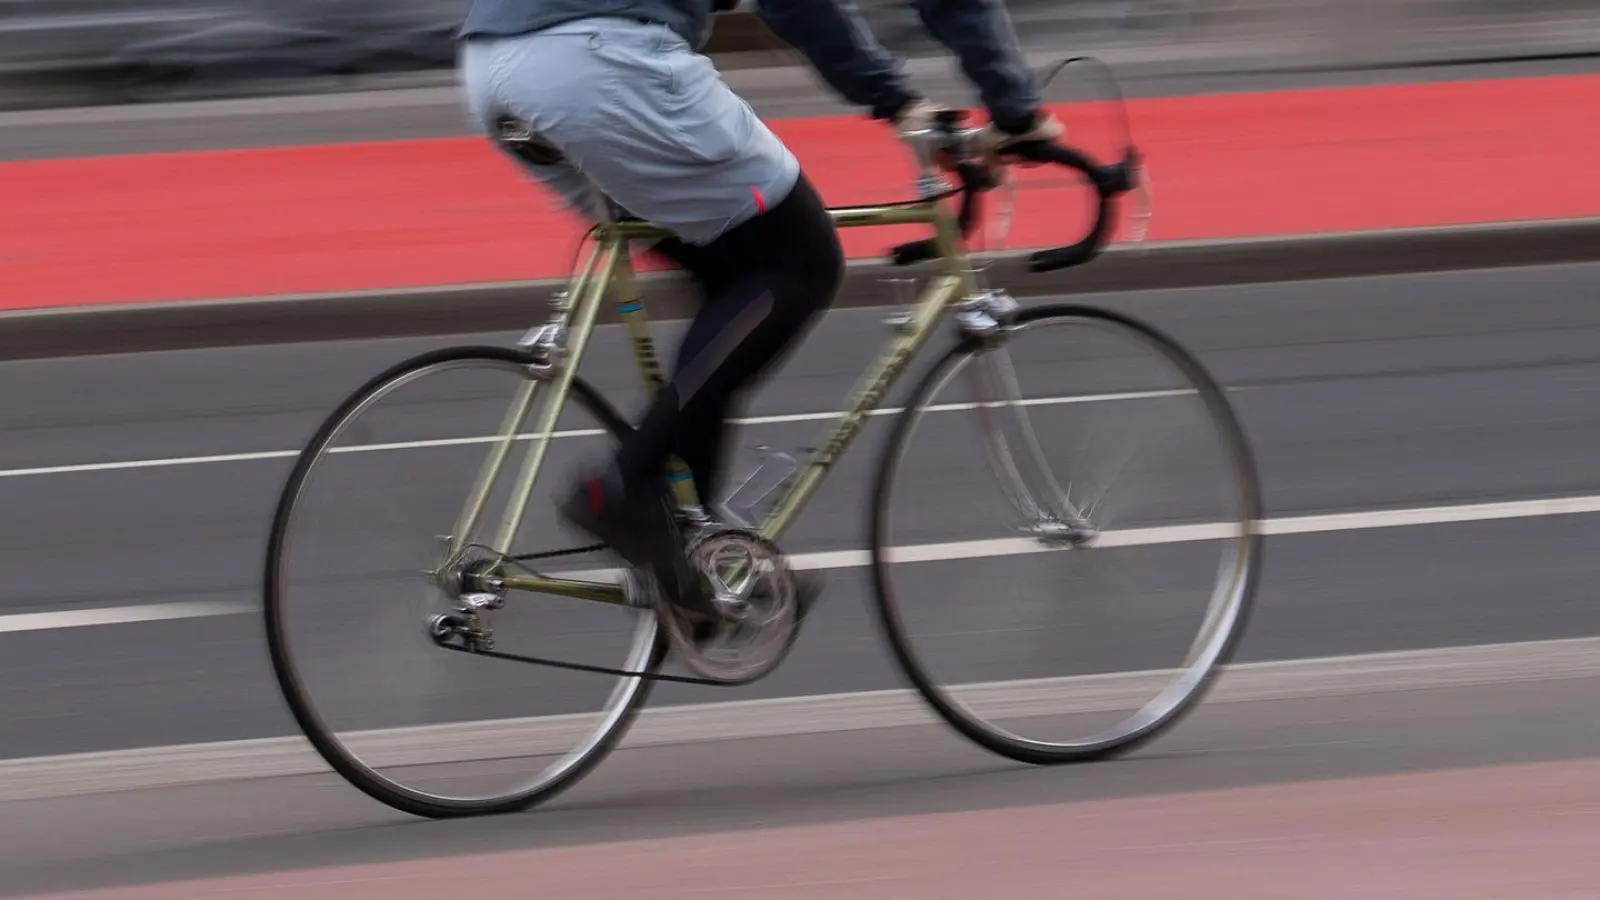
618	704
1228	598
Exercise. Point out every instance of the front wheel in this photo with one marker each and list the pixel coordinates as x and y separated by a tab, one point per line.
1010	635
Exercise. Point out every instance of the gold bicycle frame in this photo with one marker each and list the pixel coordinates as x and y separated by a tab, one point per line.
608	269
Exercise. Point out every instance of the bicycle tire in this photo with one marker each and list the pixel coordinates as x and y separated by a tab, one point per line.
968	725
289	682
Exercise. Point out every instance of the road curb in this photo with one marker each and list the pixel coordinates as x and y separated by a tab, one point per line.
508	306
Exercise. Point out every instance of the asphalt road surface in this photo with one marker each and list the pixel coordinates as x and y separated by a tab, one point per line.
137	493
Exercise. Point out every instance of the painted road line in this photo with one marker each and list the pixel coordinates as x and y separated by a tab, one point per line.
944	552
1180	534
119	615
780	419
1415	670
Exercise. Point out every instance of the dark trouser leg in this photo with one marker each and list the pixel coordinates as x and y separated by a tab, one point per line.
792	264
789	264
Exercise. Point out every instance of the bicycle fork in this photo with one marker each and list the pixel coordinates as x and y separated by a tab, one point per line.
1010	443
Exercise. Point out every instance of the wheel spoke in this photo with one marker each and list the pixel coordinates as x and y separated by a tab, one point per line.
326	550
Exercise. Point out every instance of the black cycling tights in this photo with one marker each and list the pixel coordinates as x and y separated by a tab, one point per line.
764	283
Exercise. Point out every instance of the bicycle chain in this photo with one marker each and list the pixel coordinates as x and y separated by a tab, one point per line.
552	554
565	664
580	667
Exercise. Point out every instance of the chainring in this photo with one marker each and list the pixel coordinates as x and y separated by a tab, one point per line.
754	591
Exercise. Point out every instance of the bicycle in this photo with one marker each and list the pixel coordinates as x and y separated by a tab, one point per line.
754	580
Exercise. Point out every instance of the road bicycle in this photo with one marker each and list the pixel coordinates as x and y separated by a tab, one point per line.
477	570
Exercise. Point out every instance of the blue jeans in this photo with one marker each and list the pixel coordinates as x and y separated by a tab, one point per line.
835	38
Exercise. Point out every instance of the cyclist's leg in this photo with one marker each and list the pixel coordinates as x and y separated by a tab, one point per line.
650	123
701	449
714	269
793	264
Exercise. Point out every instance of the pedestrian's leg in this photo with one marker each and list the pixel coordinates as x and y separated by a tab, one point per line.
980	34
836	39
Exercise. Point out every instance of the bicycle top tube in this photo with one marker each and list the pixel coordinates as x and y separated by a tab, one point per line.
946	147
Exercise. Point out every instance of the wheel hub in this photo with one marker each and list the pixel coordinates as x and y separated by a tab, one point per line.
1055	532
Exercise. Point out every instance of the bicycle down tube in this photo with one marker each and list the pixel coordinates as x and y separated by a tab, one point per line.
616	276
927	312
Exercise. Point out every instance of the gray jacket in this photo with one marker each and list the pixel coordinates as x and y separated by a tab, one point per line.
832	34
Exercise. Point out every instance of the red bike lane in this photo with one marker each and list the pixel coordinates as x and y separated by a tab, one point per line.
412	214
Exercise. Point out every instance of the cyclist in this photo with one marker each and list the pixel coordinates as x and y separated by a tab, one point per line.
616	111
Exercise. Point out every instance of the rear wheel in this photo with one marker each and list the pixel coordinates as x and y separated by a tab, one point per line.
360	521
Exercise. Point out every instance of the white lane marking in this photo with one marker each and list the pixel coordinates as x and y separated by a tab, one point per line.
147	463
1368	673
939	552
782	419
118	615
1181	534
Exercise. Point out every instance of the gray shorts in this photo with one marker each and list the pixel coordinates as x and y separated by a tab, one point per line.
639	116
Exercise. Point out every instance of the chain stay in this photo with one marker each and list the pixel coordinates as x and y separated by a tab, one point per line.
566	664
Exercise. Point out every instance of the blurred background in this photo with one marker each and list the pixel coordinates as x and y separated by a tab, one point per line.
55	52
